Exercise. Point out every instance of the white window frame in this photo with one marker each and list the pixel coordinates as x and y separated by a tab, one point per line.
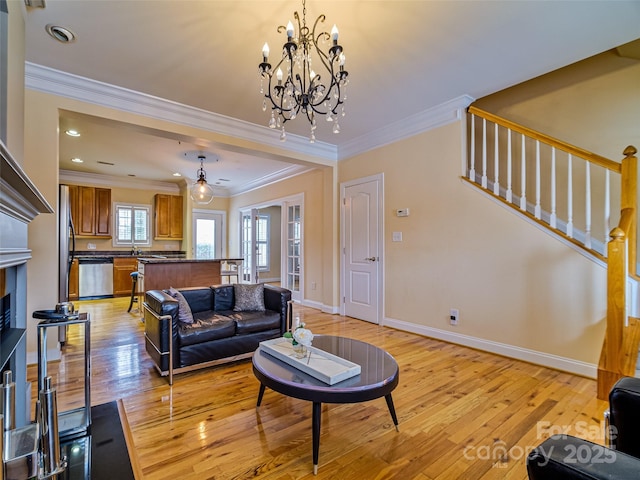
117	242
266	265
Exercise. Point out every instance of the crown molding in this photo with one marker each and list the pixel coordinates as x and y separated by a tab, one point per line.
284	174
56	82
429	119
120	182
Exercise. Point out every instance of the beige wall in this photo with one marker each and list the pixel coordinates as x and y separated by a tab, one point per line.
15	80
318	255
512	283
593	104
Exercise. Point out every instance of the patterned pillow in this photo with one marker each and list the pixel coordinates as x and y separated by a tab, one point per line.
249	297
184	310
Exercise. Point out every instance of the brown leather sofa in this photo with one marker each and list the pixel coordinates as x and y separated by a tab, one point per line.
216	333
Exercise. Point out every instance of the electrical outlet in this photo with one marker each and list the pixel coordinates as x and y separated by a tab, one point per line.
313	285
454	316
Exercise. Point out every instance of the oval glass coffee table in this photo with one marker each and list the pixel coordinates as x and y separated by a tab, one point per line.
378	378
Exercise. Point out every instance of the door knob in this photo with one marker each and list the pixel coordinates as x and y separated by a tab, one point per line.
372	259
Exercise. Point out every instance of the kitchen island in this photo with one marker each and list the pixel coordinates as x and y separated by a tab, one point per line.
161	273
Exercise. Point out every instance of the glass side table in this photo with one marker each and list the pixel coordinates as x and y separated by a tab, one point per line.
75	422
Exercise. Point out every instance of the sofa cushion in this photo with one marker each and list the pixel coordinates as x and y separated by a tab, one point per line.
184	310
249	297
223	297
206	326
254	321
200	299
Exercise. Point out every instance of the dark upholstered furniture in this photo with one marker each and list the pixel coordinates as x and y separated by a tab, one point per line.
568	457
217	334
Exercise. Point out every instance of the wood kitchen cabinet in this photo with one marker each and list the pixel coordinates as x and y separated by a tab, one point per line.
168	217
122	269
74	281
91	211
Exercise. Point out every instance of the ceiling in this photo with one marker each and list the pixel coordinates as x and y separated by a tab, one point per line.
403	58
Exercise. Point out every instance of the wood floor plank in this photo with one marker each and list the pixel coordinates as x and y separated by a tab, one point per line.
463	413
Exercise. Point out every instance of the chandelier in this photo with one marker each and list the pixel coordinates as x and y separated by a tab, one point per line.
294	88
201	192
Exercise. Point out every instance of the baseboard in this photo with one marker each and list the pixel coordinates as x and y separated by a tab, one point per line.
531	356
321	306
53	354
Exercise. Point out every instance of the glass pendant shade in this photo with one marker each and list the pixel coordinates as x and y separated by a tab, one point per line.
201	192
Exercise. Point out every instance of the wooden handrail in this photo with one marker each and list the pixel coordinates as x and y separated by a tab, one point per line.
554	142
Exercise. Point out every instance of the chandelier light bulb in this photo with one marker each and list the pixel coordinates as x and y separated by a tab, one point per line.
334	33
265	51
290	30
279	76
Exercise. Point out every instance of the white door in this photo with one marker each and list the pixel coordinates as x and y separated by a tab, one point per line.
208	234
362	233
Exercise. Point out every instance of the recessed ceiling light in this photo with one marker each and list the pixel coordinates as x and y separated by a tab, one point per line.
61	34
77	160
72	133
177	174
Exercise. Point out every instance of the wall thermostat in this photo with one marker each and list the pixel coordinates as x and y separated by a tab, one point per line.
402	212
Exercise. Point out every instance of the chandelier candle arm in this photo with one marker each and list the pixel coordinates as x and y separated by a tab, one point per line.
298	88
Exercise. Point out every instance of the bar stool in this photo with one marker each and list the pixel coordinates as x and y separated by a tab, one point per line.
135	294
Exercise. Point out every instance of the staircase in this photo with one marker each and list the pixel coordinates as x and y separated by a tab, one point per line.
584	199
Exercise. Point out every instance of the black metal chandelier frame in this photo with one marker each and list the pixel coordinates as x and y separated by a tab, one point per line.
302	89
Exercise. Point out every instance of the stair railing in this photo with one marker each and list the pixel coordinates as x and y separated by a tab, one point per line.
509	161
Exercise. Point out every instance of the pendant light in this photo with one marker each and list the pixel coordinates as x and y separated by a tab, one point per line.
201	192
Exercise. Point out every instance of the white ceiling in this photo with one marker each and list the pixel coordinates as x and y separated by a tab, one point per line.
403	58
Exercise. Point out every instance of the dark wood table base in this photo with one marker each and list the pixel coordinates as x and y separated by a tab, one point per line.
379	376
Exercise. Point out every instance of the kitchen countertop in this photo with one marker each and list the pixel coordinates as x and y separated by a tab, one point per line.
151	259
127	254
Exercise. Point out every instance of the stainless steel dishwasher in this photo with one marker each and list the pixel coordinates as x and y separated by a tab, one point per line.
96	277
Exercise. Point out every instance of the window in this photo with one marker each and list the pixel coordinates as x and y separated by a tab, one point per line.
262	241
132	225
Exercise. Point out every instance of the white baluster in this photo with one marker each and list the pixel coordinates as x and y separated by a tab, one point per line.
523	178
496	162
472	167
569	197
484	153
509	174
607	203
552	216
538	210
587	207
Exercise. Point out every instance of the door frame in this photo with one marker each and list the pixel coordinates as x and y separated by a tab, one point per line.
223	229
343	247
283	203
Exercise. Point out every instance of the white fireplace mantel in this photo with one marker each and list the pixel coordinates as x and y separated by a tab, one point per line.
20	203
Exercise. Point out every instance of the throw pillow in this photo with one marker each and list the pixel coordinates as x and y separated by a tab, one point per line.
184	310
249	297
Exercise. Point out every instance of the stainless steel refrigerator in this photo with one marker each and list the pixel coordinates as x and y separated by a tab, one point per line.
66	253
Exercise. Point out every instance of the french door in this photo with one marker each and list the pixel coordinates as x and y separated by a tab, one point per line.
254	229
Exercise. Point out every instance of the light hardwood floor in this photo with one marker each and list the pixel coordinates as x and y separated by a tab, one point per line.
463	414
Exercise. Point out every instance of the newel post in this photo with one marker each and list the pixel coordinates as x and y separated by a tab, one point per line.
629	199
616	299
